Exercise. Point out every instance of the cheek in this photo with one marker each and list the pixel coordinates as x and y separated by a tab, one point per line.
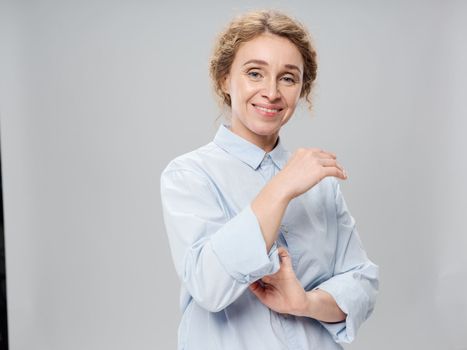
292	98
242	94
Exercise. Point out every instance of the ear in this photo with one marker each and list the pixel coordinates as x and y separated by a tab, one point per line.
225	84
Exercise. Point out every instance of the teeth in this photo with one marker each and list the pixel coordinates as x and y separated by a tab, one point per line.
267	109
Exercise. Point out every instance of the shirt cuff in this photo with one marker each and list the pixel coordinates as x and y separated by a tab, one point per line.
352	300
240	247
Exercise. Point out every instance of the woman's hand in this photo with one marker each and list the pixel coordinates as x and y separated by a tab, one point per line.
282	291
306	168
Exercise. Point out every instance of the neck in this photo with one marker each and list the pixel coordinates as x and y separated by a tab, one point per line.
265	142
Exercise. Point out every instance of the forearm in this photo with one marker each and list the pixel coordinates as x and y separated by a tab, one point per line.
269	207
322	306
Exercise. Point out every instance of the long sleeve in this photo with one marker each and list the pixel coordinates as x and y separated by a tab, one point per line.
354	284
216	257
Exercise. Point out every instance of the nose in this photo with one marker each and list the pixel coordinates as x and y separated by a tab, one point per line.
271	90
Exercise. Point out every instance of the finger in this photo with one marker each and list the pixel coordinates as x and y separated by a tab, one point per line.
266	279
284	257
336	172
257	290
283	253
331	163
254	286
316	151
326	154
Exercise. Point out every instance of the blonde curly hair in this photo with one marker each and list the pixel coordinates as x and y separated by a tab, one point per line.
247	27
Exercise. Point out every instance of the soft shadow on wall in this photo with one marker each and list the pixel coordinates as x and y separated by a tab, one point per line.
3	308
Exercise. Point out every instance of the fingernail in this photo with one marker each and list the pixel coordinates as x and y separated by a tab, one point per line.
345	174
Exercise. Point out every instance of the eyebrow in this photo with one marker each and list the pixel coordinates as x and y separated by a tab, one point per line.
264	63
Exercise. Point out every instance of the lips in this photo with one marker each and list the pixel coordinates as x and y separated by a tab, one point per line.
268	110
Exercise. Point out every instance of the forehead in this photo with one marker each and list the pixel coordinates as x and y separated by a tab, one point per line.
273	49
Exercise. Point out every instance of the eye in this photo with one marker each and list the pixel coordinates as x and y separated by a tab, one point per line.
255	75
289	80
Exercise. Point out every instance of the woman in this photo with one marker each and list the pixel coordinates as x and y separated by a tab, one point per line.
262	240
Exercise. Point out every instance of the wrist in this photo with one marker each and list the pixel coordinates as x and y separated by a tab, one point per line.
321	306
278	191
308	307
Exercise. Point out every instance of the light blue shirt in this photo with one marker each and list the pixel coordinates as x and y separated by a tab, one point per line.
218	250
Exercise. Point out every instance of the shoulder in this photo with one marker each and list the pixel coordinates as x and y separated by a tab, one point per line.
200	163
192	172
190	161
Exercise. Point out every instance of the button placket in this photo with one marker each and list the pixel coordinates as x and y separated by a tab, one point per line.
267	168
282	241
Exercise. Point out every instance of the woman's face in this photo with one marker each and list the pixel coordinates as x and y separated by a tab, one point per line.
264	84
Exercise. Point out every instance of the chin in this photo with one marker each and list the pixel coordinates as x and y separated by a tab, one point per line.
265	129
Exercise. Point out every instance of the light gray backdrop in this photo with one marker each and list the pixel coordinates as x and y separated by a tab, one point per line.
97	96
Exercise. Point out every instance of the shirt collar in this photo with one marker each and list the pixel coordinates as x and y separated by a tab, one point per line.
246	151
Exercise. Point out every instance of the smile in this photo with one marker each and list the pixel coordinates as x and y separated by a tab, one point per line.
267	110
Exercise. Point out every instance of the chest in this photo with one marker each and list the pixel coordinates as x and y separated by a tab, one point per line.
309	232
308	228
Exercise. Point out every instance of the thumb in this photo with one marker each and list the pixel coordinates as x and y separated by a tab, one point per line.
284	258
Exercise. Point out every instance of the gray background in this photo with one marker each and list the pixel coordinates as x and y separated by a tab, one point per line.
97	96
